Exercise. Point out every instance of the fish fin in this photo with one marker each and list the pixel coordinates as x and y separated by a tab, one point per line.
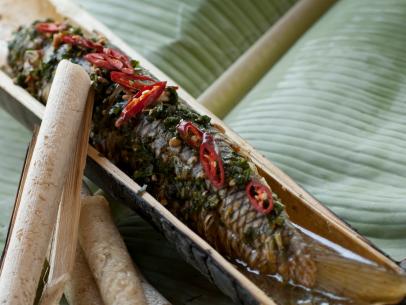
359	280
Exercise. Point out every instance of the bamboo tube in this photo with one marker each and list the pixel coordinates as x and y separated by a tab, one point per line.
66	231
118	279
42	190
240	77
107	256
81	289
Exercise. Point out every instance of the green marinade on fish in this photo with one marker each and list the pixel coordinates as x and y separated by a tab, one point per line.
215	194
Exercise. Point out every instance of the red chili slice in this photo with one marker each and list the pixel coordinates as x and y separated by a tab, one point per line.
99	60
117	64
127	68
260	196
192	135
78	40
211	161
49	27
129	81
141	100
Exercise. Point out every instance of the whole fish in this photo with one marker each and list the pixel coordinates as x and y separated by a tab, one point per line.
190	166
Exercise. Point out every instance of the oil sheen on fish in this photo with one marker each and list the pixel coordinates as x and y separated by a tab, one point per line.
187	163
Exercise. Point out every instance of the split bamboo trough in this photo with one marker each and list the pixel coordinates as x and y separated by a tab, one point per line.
302	208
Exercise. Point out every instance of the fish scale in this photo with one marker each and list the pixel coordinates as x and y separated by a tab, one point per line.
234	210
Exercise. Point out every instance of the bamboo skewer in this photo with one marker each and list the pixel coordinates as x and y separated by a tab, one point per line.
42	190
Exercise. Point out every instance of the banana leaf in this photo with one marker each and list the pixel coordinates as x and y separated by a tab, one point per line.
331	114
14	140
191	41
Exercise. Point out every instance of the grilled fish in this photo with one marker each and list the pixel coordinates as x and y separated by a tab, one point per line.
189	165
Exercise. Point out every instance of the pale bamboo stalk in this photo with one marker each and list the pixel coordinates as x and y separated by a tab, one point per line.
107	255
81	289
244	74
42	190
66	231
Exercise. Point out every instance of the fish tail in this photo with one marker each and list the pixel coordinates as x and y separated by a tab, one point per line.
366	282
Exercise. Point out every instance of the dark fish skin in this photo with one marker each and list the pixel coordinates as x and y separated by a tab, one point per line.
274	250
225	218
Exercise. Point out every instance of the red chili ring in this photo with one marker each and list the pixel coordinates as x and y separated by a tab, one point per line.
99	60
191	134
49	27
135	82
260	196
144	98
78	40
127	67
211	161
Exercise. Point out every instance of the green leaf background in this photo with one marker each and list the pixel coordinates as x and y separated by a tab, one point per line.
192	41
14	140
332	115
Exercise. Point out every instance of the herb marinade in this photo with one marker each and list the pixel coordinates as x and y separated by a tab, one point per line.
150	149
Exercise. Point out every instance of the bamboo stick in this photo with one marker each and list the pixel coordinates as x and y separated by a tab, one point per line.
42	190
66	231
81	289
107	256
242	76
118	279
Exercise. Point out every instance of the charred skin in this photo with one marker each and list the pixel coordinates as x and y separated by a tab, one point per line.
149	149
